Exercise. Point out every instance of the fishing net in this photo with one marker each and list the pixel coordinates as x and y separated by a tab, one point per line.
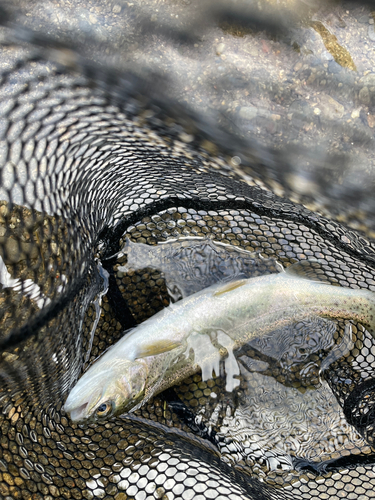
115	201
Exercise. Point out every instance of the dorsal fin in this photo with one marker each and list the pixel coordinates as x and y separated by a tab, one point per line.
228	287
311	269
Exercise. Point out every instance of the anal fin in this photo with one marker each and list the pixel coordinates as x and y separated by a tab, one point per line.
157	347
228	287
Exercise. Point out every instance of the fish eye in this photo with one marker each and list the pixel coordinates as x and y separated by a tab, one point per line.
103	409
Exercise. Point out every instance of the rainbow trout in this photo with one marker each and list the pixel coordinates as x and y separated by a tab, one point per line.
201	330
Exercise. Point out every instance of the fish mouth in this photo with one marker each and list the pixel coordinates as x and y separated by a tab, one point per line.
79	413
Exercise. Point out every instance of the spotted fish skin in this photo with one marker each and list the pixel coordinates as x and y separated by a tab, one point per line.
195	332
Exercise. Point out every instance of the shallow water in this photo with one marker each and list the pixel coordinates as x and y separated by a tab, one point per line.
316	91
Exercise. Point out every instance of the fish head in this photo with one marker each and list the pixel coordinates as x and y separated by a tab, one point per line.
107	393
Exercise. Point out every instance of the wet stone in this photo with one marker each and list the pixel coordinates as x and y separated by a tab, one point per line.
364	96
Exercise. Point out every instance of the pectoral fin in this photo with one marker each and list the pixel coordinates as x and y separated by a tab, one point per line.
228	287
157	347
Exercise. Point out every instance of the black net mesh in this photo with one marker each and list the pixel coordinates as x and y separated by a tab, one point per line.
97	170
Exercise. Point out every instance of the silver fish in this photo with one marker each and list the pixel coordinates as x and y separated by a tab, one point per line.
200	330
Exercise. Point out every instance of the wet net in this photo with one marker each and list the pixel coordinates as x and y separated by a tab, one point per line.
115	201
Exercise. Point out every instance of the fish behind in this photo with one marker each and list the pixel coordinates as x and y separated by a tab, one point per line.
202	329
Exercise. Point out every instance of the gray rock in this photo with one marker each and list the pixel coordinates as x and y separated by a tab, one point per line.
368	80
364	96
363	19
331	109
248	112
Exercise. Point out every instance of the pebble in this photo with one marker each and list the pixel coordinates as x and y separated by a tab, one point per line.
368	80
371	32
364	96
248	112
371	121
356	113
331	109
263	112
311	79
4	210
220	48
363	19
92	19
116	9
